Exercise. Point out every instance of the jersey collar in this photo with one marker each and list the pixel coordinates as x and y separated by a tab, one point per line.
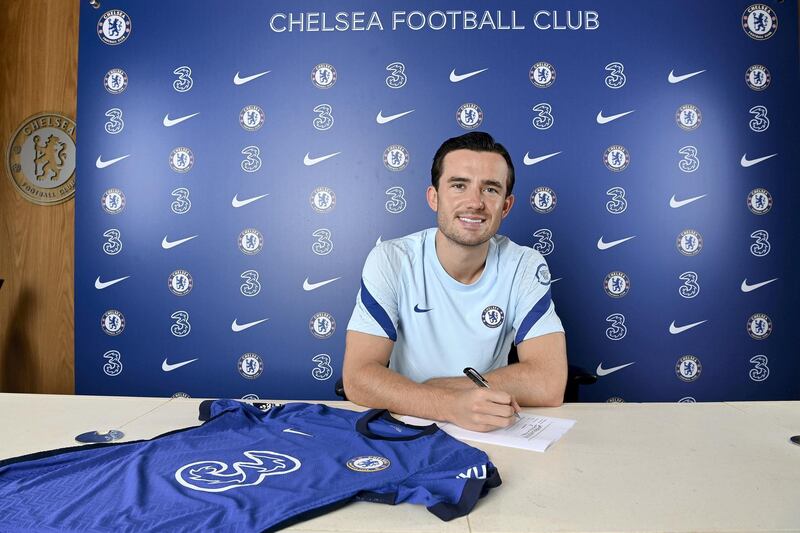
362	426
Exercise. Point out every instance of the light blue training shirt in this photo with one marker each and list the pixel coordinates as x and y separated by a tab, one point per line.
440	325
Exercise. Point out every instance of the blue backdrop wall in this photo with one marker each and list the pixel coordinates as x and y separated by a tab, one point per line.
238	160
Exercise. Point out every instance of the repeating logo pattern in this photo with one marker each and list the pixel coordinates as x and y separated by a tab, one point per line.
231	164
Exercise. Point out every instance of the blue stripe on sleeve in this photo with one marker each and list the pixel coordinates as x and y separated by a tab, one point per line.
533	316
378	313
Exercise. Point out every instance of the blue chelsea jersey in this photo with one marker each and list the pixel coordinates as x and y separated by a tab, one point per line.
439	325
244	469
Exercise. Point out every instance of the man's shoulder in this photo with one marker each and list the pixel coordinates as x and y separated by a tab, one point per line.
395	254
511	253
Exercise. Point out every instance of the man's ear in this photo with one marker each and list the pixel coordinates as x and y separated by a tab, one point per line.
432	196
507	203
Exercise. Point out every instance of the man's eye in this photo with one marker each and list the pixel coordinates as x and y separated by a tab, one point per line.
458	185
491	190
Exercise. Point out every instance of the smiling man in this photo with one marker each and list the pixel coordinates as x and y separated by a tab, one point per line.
442	299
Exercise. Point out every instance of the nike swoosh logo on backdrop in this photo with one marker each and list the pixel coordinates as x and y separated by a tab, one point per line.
380	119
606	245
241	81
103	164
675	203
746	287
165	244
100	285
241	203
290	430
750	162
166	367
309	161
235	326
419	310
554	280
169	122
528	160
677	79
605	120
680	329
311	286
606	371
455	78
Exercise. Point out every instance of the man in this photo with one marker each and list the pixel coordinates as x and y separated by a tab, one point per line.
439	300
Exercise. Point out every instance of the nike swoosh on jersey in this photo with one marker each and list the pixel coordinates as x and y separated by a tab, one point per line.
311	286
750	162
309	161
606	245
455	78
165	244
605	120
418	309
169	122
166	367
606	371
238	80
672	78
528	160
241	203
103	164
294	431
675	203
100	285
236	327
380	119
746	287
680	329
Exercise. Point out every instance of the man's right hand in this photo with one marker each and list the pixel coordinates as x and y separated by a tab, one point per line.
479	409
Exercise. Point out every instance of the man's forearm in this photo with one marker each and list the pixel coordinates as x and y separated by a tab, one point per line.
521	380
378	387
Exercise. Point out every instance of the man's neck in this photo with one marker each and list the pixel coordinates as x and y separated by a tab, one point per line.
464	264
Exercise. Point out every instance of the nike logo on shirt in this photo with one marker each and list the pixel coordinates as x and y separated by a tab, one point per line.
418	309
380	119
236	327
241	81
309	161
100	285
746	287
672	78
294	431
455	78
168	122
680	329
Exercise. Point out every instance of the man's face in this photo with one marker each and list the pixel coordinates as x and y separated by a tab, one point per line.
471	199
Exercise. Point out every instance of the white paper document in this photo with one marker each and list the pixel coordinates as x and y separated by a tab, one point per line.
530	432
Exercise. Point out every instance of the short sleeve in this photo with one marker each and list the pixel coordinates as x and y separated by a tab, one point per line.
375	311
452	487
535	312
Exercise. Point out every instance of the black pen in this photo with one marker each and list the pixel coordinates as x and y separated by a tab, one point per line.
480	381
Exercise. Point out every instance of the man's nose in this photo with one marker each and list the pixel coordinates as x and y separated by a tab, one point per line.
475	198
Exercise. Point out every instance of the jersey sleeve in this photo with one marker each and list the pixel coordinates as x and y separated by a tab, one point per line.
535	312
452	487
375	311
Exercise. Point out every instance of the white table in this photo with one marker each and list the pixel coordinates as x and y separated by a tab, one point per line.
622	467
